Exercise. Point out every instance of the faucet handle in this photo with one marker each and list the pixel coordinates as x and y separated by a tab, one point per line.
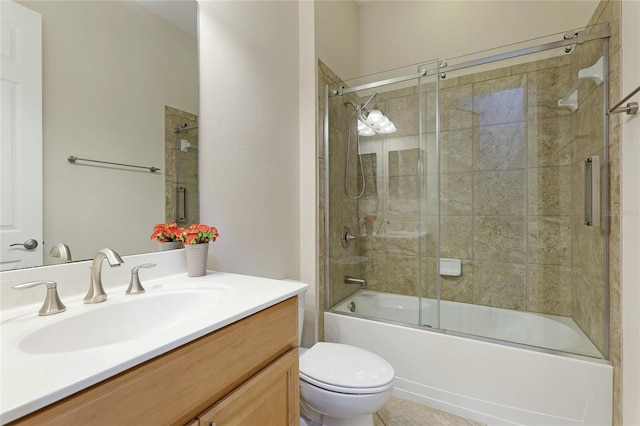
52	303
134	284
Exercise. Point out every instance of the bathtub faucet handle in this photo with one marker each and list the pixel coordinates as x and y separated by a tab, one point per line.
354	280
347	237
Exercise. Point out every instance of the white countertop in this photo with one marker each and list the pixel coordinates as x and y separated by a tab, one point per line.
31	380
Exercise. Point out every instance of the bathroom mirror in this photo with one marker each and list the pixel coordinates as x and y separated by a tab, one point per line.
110	70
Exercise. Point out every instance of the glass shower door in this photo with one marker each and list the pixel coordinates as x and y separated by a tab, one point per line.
513	169
470	217
378	194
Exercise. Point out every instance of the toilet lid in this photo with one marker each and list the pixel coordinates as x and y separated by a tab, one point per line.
342	366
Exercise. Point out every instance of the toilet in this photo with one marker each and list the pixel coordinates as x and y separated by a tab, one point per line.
341	385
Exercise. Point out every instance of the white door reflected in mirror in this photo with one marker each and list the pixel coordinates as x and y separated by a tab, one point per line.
21	143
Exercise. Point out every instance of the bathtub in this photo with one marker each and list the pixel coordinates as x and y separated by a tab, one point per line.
501	384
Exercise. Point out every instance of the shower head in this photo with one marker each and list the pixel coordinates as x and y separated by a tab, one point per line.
364	105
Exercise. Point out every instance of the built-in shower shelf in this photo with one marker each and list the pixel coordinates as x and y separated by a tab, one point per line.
595	73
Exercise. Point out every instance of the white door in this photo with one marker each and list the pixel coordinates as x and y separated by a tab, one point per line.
21	132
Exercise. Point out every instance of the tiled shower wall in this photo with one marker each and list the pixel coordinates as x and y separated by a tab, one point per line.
342	211
186	162
509	201
511	188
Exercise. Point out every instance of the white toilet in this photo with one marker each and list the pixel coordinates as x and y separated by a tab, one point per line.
341	385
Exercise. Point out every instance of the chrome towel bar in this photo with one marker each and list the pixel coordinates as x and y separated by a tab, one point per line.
630	108
73	159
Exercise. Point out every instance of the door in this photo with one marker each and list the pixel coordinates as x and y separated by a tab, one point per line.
21	137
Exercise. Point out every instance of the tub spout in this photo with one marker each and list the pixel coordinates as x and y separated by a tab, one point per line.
354	280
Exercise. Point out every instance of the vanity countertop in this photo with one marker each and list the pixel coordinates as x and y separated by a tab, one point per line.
34	377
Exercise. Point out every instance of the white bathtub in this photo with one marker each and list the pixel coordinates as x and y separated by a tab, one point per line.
540	330
485	381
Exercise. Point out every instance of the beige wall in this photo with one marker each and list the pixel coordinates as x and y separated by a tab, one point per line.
630	214
309	213
250	135
337	37
109	70
630	177
399	33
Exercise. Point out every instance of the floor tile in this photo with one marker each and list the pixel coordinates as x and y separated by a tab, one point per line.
401	412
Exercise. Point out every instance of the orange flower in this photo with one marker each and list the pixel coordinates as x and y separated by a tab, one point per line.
198	234
166	232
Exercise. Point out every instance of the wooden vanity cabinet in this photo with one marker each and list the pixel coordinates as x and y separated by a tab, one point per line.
243	374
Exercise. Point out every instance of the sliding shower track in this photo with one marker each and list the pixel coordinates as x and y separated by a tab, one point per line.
599	31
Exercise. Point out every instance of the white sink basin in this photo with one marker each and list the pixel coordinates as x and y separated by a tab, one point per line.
130	318
48	358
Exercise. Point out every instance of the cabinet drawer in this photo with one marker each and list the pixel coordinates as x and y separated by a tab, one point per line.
175	387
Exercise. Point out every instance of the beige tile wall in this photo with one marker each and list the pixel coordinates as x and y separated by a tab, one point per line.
511	179
505	191
188	166
343	211
516	233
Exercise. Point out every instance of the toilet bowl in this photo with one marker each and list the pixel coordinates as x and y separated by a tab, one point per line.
342	385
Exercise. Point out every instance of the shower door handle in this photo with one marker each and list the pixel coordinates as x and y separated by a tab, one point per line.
592	191
181	214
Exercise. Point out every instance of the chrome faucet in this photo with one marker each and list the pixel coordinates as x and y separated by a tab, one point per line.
62	251
96	293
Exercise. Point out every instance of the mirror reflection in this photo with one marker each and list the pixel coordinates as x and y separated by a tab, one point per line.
120	85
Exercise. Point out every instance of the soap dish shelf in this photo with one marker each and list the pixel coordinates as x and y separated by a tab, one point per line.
595	73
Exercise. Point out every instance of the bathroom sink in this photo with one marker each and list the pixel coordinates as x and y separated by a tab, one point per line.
48	358
131	317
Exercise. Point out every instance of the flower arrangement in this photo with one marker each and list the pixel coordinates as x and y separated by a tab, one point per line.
195	234
198	234
166	232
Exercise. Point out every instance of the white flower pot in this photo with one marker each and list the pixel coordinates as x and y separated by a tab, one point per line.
169	245
196	259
